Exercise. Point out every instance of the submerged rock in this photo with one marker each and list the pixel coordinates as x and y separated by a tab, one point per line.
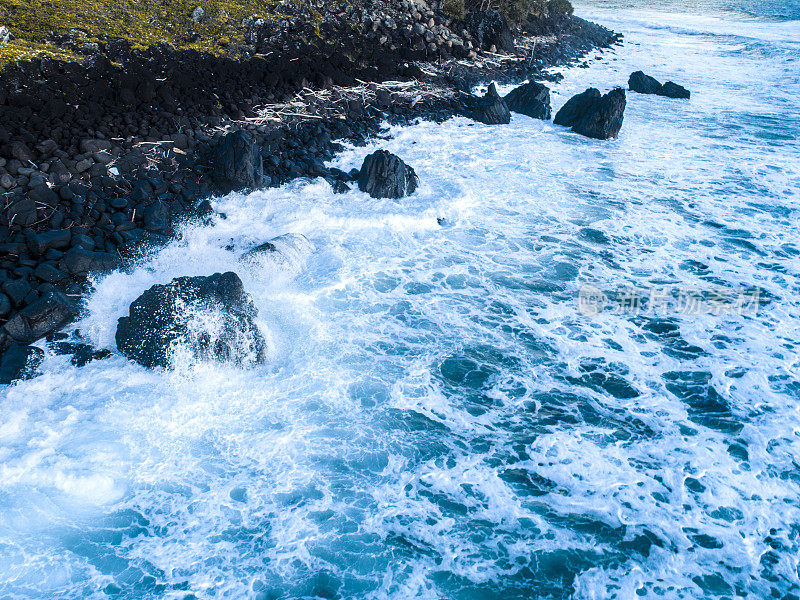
289	247
385	175
531	99
491	109
594	115
202	317
645	84
19	362
490	28
236	163
80	354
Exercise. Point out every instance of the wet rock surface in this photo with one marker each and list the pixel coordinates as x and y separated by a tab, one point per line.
645	84
594	115
385	175
46	315
531	99
19	362
201	318
491	109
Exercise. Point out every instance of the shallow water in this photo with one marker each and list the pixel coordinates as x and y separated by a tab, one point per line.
441	417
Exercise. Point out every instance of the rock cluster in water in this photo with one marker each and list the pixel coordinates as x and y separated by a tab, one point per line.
594	115
101	159
204	317
645	84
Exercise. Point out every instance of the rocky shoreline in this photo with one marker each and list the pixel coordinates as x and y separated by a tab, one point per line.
100	161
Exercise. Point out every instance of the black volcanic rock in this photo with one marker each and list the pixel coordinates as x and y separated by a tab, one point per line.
19	362
79	261
673	90
594	115
490	28
208	317
531	99
236	163
644	84
384	175
80	354
40	243
47	314
491	109
576	107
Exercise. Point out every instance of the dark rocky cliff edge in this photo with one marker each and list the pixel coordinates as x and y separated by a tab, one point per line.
106	144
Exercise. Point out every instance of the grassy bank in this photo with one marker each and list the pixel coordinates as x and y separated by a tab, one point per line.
36	24
41	27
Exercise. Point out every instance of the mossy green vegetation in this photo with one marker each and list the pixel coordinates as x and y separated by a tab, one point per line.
35	24
25	50
515	11
141	22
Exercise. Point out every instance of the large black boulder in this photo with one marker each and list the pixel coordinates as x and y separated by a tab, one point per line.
46	315
19	362
79	261
644	84
490	28
40	243
531	99
673	90
490	109
594	115
236	163
385	175
203	317
576	107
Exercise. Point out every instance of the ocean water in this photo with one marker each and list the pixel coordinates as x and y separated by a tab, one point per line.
563	368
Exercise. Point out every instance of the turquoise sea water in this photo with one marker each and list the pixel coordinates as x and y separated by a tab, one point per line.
445	413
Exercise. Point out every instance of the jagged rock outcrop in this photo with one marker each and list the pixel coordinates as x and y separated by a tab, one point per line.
645	84
594	115
385	175
531	99
199	318
490	109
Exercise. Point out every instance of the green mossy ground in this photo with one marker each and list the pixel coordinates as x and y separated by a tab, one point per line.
515	10
148	22
142	22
